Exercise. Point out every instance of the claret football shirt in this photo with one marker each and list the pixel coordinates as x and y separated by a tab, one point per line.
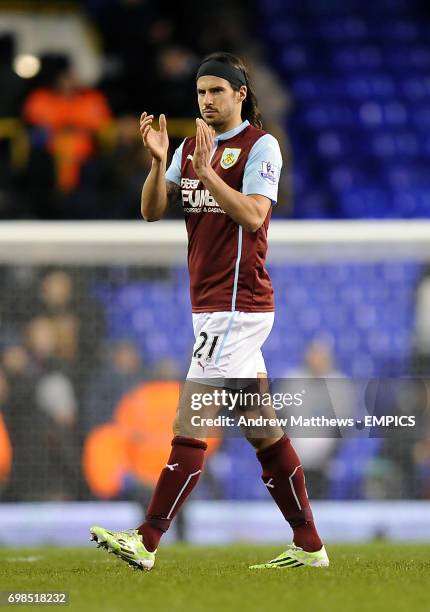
226	263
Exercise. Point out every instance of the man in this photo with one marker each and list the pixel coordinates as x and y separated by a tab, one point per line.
227	176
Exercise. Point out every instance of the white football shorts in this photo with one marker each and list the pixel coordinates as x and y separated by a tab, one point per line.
228	345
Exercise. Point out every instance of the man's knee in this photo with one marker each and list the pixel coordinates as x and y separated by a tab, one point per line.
182	426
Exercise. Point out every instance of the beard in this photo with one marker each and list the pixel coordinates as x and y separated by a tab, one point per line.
214	122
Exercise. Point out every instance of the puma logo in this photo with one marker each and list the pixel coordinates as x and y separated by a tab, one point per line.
172	467
269	484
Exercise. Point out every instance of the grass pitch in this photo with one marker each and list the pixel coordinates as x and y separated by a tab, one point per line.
369	577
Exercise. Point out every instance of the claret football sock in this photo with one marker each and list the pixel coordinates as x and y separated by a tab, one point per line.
284	478
177	479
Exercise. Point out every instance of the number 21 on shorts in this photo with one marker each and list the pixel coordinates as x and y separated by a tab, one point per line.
204	346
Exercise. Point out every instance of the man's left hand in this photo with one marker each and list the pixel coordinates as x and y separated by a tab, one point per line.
202	153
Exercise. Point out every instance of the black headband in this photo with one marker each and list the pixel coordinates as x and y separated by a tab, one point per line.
225	71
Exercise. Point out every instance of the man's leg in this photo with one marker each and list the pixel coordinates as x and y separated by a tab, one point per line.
285	480
176	481
182	471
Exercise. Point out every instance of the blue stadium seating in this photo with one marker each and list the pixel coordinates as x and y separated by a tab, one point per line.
375	300
359	74
349	468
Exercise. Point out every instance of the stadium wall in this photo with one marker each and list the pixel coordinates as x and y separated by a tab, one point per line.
67	523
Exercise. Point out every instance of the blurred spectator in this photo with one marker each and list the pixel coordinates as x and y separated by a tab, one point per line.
111	181
12	87
395	473
66	119
18	285
55	423
15	360
123	371
175	82
422	466
222	25
5	446
13	90
129	164
77	321
18	412
319	362
39	416
131	31
327	393
56	294
421	351
166	369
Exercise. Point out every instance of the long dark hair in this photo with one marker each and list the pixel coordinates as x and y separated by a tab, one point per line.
250	108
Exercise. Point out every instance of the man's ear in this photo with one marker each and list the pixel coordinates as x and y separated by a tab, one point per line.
242	93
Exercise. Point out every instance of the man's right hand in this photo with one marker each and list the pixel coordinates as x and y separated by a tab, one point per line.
156	141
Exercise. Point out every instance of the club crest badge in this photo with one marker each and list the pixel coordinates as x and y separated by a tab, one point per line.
229	157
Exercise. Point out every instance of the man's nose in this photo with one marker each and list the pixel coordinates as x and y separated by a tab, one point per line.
208	99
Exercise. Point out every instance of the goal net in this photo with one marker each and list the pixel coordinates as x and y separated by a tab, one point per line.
95	333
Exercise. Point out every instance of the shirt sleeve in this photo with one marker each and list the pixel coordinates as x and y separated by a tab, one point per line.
263	168
173	172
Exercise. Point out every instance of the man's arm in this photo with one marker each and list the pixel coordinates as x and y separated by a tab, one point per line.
156	192
171	192
249	211
153	202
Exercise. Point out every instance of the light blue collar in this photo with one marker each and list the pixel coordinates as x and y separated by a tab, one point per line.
233	132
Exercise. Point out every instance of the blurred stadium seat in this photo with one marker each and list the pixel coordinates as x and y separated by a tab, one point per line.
360	80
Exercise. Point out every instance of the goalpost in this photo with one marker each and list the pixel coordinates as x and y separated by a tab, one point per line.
162	242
